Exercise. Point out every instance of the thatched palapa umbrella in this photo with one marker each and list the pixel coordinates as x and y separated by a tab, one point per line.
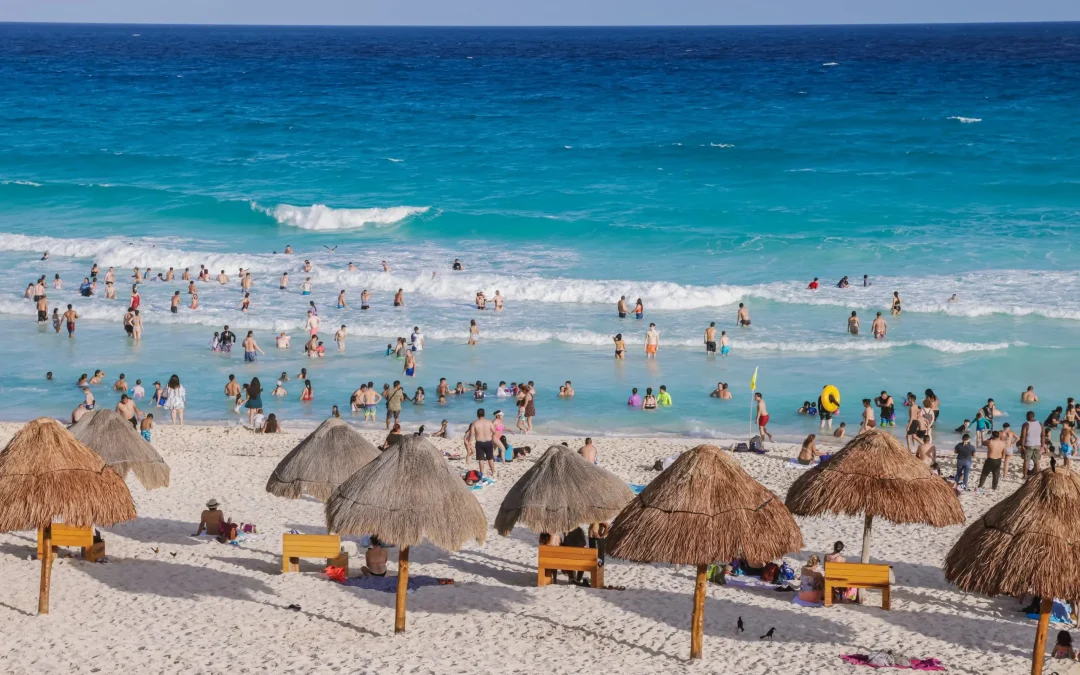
321	462
702	509
562	491
406	495
123	448
1026	543
46	474
875	475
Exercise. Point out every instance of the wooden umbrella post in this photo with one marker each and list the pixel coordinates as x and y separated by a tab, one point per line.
868	526
46	570
402	588
697	620
1038	655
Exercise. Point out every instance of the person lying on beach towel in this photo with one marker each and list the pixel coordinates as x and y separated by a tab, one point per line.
890	660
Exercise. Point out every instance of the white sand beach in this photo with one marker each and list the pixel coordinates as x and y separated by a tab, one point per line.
169	603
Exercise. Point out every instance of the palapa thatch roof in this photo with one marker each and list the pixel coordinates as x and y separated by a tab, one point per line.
123	448
1028	542
702	509
47	475
560	492
406	495
875	475
321	462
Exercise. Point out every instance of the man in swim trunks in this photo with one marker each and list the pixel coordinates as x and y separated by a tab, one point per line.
888	409
725	343
762	417
710	339
853	324
879	327
1029	396
69	317
481	434
652	341
399	298
743	317
622	307
250	347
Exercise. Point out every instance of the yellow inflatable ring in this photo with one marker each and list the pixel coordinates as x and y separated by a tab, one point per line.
830	398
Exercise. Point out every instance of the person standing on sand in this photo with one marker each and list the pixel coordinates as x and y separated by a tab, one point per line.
250	347
879	327
710	339
652	341
480	440
762	417
853	324
1031	442
742	319
621	307
995	452
69	317
394	398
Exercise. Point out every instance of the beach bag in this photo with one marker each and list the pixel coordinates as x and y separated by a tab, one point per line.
770	573
756	445
248	528
786	572
335	574
741	447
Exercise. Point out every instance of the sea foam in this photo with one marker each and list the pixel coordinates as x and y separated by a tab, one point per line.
322	217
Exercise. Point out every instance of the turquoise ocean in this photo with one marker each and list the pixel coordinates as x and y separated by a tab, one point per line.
694	168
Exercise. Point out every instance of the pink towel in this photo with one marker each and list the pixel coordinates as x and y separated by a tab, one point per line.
916	664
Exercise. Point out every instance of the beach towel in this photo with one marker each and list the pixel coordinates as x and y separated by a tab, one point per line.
1060	613
637	489
388	584
803	603
794	464
914	664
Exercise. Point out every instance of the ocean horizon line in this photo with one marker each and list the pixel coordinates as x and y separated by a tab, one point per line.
627	26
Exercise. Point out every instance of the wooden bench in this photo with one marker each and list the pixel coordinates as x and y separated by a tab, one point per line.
858	575
296	546
551	559
75	537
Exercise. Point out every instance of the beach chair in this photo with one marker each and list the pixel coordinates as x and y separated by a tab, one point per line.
75	537
858	575
296	546
551	559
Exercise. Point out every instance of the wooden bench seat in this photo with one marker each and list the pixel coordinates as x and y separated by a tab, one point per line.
74	537
551	559
296	546
858	575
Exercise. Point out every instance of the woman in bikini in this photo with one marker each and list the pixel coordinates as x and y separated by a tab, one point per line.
308	394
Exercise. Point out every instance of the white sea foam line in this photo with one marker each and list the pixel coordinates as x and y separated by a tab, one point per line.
966	120
322	217
1004	292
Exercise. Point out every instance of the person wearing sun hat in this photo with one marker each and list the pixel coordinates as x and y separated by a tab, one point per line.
211	520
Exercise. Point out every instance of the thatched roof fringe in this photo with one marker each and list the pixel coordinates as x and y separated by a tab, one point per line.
702	509
321	462
562	491
123	448
405	496
47	475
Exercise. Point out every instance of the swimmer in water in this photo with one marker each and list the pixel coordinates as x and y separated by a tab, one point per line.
339	338
710	339
896	303
385	267
725	343
743	317
953	298
621	307
853	324
399	298
879	327
341	304
364	298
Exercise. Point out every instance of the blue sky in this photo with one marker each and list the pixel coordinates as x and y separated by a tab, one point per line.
543	12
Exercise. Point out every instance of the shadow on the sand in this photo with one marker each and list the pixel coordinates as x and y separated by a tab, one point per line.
453	598
155	531
321	617
170	579
721	616
252	564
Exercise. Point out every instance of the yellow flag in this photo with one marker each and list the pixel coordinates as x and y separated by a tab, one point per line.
753	381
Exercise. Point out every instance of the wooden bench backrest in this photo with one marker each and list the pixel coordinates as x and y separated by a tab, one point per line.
567	558
310	545
68	535
857	573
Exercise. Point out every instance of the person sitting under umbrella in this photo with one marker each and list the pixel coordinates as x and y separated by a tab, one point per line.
376	559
